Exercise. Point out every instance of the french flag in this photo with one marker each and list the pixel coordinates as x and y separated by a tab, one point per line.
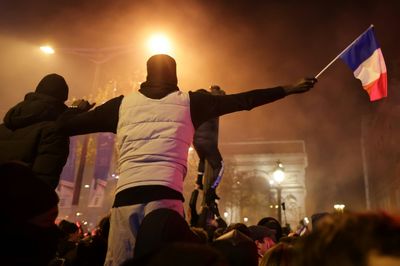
365	58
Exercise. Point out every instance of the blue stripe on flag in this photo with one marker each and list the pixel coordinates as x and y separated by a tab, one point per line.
68	173
105	147
361	50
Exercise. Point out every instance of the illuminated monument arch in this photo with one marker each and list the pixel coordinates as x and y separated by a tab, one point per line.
247	188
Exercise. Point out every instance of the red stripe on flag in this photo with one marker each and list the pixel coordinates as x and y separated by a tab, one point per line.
378	88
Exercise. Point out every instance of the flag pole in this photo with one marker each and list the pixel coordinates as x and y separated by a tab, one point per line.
345	49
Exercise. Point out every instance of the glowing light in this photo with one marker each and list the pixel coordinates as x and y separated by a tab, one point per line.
245	219
279	173
339	207
79	214
226	214
159	44
87	186
47	49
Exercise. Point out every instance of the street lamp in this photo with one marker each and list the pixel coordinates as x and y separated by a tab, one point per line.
278	176
339	207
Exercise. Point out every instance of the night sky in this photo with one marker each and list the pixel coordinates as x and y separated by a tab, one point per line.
239	45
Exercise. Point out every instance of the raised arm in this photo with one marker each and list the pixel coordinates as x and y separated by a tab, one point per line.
206	106
103	118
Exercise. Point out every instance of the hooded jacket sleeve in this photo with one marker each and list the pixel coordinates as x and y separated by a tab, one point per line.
103	118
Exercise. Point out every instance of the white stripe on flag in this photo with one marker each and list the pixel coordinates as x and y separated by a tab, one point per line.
371	69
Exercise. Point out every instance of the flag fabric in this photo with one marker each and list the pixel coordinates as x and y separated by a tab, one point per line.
66	186
365	58
67	177
104	152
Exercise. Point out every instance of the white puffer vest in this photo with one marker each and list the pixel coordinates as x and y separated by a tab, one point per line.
154	136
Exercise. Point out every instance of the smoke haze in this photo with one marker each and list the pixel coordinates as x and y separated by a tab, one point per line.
239	45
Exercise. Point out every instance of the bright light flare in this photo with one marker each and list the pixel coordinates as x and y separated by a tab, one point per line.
47	49
339	207
279	175
159	44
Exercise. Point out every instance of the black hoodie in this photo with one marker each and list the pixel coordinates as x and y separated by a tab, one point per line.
29	135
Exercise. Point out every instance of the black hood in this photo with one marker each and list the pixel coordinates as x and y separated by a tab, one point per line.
161	77
35	108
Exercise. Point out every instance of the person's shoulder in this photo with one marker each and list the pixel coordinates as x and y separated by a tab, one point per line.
200	95
51	129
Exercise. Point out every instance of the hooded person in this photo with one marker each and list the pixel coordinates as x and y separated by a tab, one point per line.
29	133
155	128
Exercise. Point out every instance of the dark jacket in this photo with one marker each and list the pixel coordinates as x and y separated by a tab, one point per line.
29	135
207	132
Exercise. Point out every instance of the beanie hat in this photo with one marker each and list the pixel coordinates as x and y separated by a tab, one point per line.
22	195
161	68
258	232
53	85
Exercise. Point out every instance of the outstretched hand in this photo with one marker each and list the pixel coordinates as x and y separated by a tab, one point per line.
302	86
83	105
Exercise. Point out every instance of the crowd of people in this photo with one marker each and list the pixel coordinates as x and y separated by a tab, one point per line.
147	224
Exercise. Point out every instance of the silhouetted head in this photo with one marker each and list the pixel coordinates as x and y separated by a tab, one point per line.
272	224
159	228
237	248
53	85
370	238
161	69
68	227
259	232
241	227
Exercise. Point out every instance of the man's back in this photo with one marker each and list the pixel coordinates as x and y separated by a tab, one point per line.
38	145
29	133
154	136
